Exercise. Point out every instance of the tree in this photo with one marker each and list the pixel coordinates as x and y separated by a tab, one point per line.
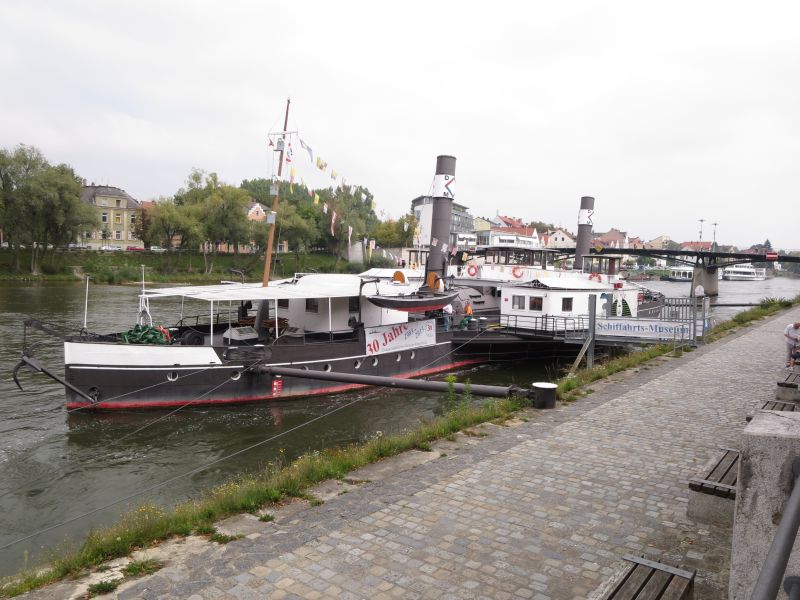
40	204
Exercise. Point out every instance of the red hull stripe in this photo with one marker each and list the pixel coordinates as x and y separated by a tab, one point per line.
245	399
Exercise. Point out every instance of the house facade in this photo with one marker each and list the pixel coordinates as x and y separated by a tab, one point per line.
560	238
118	212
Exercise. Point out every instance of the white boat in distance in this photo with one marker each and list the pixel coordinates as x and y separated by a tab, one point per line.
745	272
679	273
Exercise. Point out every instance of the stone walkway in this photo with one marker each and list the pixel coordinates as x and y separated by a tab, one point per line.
543	508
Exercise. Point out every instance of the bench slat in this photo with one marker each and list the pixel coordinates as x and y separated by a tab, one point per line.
633	583
655	586
719	472
677	589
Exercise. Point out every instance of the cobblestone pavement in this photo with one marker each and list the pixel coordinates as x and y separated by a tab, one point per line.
541	509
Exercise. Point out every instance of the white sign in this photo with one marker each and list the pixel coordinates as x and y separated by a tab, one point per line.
444	186
391	338
585	216
644	328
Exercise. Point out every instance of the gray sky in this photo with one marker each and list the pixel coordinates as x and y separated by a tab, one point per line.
665	112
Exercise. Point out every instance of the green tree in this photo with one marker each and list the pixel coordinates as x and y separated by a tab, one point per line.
40	204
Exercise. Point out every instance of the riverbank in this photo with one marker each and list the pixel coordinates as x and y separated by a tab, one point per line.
123	266
150	525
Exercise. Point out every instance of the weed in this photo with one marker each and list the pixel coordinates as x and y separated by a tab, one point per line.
222	538
103	587
266	518
142	567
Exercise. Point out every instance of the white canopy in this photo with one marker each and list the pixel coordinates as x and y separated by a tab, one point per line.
307	286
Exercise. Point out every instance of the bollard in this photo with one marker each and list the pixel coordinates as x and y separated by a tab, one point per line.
544	394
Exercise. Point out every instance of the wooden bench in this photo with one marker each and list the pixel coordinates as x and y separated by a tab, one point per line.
646	579
720	480
788	388
713	491
783	405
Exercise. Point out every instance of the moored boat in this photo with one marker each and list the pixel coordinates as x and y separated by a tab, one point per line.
744	272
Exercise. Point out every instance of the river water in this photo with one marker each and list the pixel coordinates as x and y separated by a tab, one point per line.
55	466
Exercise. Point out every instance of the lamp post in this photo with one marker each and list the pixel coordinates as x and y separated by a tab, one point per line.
701	229
714	243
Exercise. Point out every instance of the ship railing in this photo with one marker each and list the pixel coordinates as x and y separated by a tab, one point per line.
557	327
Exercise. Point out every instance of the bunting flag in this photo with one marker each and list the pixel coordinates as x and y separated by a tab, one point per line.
464	257
333	222
316	199
321	164
366	241
349	234
373	205
384	253
363	196
292	174
453	251
289	153
308	149
334	174
405	225
372	244
325	207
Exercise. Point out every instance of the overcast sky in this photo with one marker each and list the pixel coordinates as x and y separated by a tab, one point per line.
665	112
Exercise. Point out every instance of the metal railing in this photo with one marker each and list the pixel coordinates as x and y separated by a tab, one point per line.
557	327
769	579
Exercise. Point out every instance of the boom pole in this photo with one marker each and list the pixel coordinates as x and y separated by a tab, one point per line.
271	234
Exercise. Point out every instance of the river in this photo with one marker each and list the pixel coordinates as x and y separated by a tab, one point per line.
55	467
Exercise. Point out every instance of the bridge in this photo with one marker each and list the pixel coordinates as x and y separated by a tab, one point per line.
706	264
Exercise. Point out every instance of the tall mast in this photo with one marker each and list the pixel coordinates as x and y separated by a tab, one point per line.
271	235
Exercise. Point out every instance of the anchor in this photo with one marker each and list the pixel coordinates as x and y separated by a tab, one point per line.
34	365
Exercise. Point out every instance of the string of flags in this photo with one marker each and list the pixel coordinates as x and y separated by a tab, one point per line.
315	160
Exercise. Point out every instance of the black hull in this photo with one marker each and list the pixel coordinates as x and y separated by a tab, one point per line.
237	382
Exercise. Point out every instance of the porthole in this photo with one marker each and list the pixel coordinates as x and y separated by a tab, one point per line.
413	355
305	367
236	375
172	375
357	364
399	357
327	367
375	362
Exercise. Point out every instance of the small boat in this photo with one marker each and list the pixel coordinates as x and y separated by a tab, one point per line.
415	302
744	272
679	273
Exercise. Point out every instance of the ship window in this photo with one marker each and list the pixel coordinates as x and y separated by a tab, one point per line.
566	305
283	303
375	362
357	364
312	305
535	303
353	304
327	367
172	375
235	376
518	302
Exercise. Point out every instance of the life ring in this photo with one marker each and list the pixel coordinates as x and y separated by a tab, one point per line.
517	272
472	270
164	332
596	276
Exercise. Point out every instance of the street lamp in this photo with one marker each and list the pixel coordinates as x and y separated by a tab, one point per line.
701	229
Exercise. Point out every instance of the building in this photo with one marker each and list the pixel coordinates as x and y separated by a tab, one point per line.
117	212
696	246
560	238
662	242
461	223
504	221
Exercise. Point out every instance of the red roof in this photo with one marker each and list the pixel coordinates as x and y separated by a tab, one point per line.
521	230
511	221
696	246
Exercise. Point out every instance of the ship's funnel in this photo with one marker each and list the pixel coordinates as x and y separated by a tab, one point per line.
584	241
444	190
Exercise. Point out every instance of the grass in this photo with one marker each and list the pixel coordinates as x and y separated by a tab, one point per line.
149	524
266	518
103	587
142	567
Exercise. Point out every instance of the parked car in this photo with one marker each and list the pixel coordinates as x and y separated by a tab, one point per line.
111	248
157	249
134	249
